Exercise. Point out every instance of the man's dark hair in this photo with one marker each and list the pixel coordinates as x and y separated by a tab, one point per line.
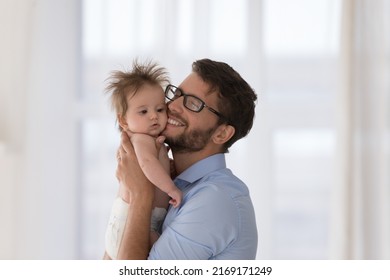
237	99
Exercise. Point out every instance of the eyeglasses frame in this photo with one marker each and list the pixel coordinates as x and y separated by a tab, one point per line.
185	96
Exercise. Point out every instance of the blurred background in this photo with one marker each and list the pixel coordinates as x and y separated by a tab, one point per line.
317	161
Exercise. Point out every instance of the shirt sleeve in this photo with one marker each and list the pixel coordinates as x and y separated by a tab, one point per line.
173	246
202	228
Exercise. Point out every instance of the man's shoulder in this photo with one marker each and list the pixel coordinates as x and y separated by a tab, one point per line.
218	191
223	181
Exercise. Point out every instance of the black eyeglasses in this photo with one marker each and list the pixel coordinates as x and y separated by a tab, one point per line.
191	102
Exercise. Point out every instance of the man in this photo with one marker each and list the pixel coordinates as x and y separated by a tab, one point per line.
211	109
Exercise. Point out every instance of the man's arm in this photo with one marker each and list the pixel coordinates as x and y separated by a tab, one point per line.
135	242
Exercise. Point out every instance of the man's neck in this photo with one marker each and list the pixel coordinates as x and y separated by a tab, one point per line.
187	159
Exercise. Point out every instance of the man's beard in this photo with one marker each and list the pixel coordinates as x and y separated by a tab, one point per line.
193	141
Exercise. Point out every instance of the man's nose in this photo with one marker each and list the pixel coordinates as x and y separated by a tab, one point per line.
176	105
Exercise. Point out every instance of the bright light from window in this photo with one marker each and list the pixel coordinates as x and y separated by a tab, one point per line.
228	26
301	27
185	26
304	142
145	25
120	26
93	15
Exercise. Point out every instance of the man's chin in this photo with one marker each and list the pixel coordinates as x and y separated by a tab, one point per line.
170	133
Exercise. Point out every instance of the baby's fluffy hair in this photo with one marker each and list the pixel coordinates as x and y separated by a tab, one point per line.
127	83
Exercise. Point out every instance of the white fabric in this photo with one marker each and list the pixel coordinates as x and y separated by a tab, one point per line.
116	227
117	223
361	219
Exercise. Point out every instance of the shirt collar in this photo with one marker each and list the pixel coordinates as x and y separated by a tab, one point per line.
203	167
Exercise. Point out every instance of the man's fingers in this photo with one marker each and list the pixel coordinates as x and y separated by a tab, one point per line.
125	143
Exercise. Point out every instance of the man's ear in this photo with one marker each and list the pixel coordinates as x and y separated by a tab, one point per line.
223	134
122	122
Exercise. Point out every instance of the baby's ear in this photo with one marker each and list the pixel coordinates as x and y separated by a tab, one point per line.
122	122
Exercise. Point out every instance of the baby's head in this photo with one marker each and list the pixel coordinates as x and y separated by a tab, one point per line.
138	98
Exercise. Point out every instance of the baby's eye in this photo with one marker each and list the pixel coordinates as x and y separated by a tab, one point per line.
143	112
161	110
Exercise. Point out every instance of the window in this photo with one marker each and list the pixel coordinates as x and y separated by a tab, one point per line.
287	50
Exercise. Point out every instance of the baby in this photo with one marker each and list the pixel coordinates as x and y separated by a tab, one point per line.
139	101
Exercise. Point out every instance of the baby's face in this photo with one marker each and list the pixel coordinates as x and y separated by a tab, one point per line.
147	111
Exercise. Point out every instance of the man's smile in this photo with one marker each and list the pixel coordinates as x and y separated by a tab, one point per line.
175	122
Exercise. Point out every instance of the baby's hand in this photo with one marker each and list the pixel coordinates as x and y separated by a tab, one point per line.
160	140
176	198
159	143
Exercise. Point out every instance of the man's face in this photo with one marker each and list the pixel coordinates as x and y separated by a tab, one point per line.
188	131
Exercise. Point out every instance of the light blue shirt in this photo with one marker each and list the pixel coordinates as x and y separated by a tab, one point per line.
216	219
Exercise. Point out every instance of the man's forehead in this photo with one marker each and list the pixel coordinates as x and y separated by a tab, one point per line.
194	84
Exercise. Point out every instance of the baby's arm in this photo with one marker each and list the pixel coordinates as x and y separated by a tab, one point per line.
148	158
